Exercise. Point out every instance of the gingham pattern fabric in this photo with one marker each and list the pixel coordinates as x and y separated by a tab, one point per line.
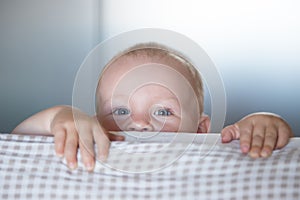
29	169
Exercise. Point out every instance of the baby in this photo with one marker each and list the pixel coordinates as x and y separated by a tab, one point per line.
148	87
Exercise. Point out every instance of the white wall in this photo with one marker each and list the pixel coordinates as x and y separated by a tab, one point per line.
255	44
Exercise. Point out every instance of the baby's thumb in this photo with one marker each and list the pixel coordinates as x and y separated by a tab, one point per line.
229	133
115	136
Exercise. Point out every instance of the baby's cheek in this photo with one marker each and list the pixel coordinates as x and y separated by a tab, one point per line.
170	125
110	124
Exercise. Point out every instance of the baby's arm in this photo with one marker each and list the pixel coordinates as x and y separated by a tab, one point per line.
39	123
259	134
58	121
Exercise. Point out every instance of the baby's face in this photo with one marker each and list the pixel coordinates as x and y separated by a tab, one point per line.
135	94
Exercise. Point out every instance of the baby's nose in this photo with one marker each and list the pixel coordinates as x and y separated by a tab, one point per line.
140	125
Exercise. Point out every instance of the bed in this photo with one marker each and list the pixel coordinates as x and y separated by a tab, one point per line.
206	169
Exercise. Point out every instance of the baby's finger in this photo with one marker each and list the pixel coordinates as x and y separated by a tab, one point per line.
71	148
114	137
59	141
230	133
103	144
245	137
257	141
284	134
86	147
270	141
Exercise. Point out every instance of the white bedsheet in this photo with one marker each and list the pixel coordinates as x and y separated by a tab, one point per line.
29	169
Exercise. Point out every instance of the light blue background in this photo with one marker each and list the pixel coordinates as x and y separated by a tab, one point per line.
255	45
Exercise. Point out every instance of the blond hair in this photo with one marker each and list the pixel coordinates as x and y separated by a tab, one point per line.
157	51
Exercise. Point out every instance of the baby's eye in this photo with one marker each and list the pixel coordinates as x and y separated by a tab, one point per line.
121	111
163	112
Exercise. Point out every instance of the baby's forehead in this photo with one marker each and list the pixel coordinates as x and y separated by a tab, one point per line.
125	63
152	63
131	60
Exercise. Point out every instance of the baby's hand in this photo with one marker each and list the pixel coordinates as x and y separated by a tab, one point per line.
259	134
67	138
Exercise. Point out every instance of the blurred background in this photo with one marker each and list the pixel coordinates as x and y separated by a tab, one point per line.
254	44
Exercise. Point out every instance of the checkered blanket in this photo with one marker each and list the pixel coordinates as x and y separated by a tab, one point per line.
201	168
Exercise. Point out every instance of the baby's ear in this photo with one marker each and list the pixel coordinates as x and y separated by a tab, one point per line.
204	124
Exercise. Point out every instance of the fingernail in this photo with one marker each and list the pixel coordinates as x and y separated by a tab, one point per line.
59	155
254	154
264	153
89	166
245	148
102	158
72	165
224	139
121	138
